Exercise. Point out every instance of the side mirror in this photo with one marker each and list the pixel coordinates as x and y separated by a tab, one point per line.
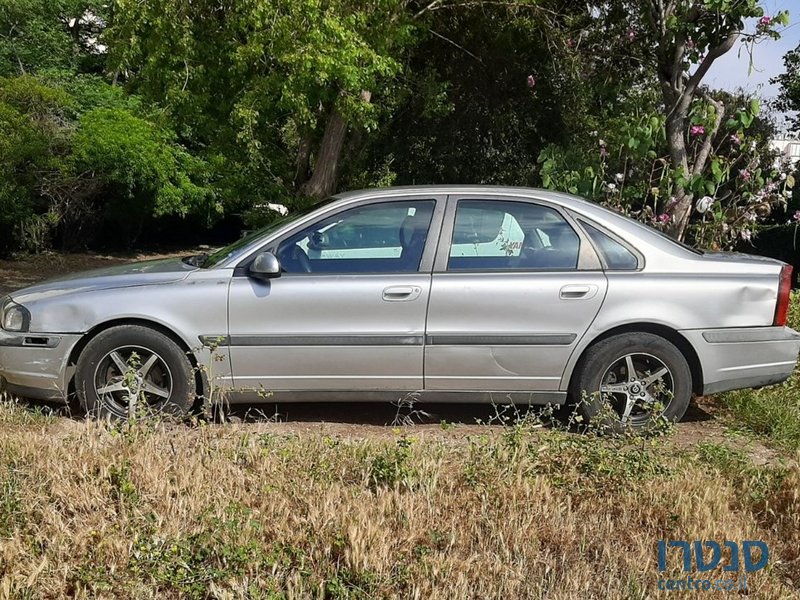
265	266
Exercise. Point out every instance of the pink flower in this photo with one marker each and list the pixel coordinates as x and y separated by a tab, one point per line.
531	81
765	21
631	35
744	174
663	218
796	216
697	130
735	139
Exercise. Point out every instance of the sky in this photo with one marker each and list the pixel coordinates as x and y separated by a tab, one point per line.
732	70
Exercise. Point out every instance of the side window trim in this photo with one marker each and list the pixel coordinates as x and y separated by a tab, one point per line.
640	260
588	258
426	263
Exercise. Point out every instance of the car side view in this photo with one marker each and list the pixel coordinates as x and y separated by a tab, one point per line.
460	293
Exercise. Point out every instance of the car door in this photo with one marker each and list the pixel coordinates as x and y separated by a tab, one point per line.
516	284
348	311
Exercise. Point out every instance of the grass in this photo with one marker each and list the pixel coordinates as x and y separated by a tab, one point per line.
772	412
168	511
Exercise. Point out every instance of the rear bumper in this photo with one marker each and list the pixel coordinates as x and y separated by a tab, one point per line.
35	365
744	357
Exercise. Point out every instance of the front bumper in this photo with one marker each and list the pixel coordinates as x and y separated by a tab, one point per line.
744	357
34	365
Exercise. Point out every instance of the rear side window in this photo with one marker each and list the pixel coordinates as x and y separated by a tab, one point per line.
617	257
506	235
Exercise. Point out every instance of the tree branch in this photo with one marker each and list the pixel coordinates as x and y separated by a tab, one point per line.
705	150
460	47
705	64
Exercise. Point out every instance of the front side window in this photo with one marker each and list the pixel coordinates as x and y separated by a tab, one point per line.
388	237
501	235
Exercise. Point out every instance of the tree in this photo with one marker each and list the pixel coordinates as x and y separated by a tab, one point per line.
684	38
668	142
39	34
789	97
270	80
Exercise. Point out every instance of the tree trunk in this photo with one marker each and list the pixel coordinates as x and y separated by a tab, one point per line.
323	180
681	208
303	163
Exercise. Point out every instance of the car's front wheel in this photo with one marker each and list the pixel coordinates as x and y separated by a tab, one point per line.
132	370
627	380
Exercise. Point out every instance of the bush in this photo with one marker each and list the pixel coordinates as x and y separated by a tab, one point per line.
78	156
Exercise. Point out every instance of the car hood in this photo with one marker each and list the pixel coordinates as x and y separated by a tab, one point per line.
148	272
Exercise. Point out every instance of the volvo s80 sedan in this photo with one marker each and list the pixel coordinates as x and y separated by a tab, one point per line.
462	294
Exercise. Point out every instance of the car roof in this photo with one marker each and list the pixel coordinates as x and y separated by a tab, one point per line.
492	192
449	189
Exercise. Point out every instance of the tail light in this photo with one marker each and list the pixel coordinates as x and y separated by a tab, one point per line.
784	291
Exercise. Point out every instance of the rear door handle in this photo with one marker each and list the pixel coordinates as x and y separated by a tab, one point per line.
401	293
578	292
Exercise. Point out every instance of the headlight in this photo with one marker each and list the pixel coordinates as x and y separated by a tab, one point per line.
15	317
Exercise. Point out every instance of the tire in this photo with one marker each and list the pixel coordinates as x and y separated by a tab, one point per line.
134	362
605	366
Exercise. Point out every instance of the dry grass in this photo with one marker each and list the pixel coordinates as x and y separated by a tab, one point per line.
236	511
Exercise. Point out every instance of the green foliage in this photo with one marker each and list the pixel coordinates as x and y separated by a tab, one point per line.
392	467
32	142
140	160
789	81
246	105
626	166
41	34
120	116
213	554
76	151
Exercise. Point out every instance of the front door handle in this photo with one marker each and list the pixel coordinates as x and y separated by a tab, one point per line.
578	292
401	293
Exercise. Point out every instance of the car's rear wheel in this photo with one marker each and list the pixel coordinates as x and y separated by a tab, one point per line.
628	380
130	371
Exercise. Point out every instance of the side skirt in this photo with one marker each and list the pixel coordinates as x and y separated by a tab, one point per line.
445	396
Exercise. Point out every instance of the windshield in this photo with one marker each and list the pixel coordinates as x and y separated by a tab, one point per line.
238	248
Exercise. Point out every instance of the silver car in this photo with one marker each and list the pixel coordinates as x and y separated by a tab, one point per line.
464	294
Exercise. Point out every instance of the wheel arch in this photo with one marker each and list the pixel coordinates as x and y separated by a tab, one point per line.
201	381
669	334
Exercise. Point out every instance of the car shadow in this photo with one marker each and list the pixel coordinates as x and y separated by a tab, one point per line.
698	411
379	414
375	413
350	413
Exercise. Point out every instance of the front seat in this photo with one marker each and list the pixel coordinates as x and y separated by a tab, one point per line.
413	233
562	252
